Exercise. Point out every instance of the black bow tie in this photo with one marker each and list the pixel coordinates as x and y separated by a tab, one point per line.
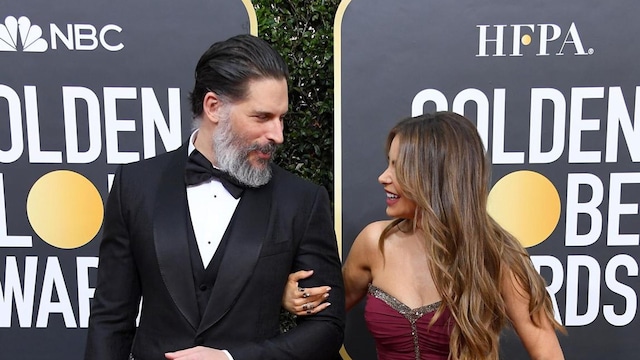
199	170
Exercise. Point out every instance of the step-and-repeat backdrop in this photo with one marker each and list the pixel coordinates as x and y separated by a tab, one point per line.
554	88
84	86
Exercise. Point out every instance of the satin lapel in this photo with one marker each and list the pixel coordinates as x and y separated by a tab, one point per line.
170	232
247	231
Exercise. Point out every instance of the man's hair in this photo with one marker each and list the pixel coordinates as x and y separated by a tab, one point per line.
228	66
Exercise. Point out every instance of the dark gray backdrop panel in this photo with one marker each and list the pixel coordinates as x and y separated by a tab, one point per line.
162	43
392	50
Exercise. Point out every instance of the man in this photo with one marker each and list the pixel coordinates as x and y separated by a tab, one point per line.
210	256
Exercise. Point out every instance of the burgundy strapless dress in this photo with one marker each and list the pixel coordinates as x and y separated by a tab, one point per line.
402	333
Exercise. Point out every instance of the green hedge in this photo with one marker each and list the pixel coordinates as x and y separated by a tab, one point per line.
302	31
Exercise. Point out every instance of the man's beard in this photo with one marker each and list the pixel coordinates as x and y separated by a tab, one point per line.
232	155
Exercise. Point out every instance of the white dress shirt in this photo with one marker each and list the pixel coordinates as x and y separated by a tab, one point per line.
211	207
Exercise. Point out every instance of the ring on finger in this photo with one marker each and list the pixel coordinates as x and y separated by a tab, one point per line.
306	295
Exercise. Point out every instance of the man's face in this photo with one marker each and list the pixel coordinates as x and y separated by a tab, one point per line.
247	137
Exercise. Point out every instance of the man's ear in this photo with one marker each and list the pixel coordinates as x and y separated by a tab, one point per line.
211	107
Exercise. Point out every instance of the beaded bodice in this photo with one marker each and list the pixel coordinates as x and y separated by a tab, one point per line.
404	333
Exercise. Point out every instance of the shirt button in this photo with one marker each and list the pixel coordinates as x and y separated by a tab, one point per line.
203	287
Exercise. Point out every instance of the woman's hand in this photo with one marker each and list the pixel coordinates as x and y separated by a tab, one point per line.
304	301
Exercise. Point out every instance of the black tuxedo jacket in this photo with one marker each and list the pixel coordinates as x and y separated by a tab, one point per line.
279	228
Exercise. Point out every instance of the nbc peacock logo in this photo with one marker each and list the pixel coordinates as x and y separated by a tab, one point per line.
19	34
29	35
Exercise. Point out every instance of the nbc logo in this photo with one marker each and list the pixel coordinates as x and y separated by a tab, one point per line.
80	37
30	35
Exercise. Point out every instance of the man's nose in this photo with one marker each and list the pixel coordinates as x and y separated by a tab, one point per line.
275	132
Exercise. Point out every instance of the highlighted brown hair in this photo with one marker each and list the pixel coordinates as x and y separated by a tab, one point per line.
443	168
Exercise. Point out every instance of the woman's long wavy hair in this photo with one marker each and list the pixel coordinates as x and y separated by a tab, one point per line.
442	167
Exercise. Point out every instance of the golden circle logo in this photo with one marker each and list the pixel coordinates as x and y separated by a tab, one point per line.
526	39
527	205
65	209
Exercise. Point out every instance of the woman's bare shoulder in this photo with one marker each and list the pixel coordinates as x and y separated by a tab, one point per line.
365	251
375	228
370	234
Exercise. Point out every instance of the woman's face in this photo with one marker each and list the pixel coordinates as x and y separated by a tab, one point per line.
398	206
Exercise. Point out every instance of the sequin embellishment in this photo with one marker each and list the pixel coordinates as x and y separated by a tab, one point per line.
412	315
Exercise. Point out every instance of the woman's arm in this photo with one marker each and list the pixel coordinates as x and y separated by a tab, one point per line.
356	273
356	270
540	341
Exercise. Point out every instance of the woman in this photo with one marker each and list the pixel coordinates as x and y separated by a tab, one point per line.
442	278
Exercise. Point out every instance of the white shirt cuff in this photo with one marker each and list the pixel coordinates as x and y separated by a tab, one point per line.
228	354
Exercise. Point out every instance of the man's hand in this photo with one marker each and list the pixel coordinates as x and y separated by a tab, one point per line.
197	353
